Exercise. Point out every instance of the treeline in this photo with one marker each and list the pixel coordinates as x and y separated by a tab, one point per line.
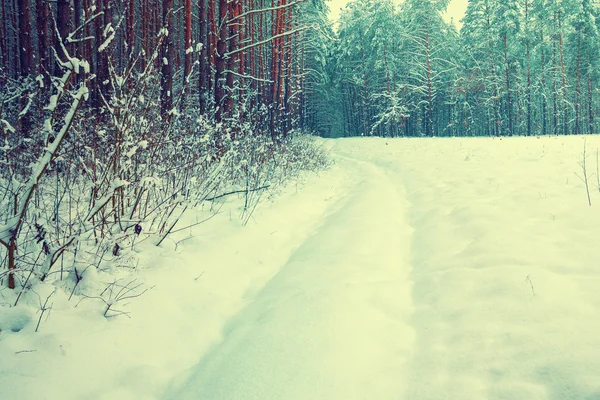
227	58
117	116
517	67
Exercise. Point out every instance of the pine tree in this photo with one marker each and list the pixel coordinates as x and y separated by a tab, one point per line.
426	29
481	65
506	24
585	42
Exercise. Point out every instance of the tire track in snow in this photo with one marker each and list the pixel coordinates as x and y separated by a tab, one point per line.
332	324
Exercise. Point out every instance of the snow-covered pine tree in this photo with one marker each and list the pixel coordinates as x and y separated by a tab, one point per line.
425	33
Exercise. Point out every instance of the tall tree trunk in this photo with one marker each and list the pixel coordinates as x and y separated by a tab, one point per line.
288	74
14	44
555	87
26	58
220	63
204	73
130	38
590	103
565	121
528	56
144	20
63	18
4	59
544	111
364	97
104	74
187	38
577	129
42	31
276	67
429	131
262	62
166	78
241	57
25	47
509	103
492	77
233	42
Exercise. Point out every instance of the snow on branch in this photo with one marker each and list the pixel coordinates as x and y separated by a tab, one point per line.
227	71
49	153
251	12
243	49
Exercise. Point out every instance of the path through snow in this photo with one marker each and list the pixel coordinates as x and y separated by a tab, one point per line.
334	322
453	269
414	269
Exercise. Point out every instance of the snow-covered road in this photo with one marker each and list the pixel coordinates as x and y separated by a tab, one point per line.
334	322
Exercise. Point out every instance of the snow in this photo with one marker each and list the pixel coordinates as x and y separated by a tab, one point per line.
14	319
411	269
7	125
109	35
52	103
311	325
25	109
40	80
7	229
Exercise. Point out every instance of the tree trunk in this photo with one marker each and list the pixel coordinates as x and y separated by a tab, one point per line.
187	38
63	17
429	131
492	77
12	249
577	129
544	111
220	63
166	79
564	78
130	26
204	73
555	89
42	31
25	47
3	44
528	55
509	104
590	104
233	41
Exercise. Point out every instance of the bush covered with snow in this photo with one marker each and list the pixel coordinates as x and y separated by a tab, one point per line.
86	186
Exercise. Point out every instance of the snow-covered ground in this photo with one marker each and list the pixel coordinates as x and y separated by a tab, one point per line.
412	269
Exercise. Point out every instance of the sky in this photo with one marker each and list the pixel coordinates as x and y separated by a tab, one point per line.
456	9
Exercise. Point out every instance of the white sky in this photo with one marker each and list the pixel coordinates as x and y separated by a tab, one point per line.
456	9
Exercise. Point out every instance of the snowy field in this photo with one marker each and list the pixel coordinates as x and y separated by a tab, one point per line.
414	269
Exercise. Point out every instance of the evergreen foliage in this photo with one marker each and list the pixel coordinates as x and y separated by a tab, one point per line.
517	67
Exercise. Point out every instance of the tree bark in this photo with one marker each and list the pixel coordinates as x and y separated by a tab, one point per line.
63	17
577	129
204	73
3	43
509	104
528	56
130	26
42	31
166	78
220	104
25	47
233	41
188	50
563	73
